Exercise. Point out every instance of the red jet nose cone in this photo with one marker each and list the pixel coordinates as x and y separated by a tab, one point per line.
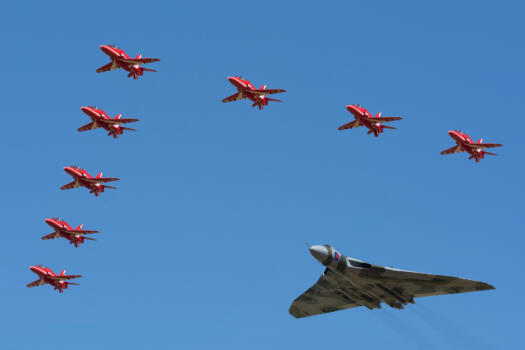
106	49
68	170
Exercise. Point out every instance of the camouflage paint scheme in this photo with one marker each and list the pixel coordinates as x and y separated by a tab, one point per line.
348	283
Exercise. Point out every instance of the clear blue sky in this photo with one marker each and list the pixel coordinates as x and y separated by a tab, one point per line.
202	245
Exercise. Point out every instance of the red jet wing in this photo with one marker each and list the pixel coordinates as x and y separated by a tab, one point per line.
351	125
38	282
100	179
139	60
70	185
484	145
52	236
266	91
63	277
383	119
107	67
453	149
119	121
89	126
234	97
79	232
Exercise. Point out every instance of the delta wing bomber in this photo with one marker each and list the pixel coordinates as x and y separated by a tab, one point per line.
348	283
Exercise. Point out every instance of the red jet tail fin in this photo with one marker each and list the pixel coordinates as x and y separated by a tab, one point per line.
480	141
99	176
139	56
79	227
378	115
62	273
118	116
263	87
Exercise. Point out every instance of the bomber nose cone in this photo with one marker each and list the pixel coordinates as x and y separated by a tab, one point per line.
319	252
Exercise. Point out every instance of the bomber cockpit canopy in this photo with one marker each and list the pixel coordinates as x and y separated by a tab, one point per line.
357	263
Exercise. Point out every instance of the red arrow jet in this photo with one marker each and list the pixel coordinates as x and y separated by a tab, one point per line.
247	90
465	144
62	229
46	276
101	120
82	178
119	59
364	118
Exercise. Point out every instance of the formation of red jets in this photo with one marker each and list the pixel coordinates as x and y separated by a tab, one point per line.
245	90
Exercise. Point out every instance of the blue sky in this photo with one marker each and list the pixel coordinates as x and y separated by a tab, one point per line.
202	245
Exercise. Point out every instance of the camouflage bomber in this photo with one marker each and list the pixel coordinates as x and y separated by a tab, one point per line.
348	283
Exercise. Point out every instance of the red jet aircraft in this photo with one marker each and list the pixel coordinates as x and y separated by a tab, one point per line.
62	229
247	90
82	178
364	118
119	59
46	276
101	120
465	144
